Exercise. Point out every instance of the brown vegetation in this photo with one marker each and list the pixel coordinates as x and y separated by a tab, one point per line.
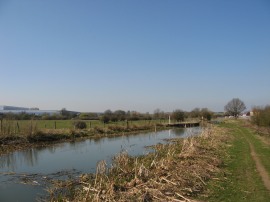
177	171
261	118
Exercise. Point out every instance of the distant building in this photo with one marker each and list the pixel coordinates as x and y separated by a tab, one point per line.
18	110
3	107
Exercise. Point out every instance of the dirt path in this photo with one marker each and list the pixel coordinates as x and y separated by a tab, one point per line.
260	168
263	173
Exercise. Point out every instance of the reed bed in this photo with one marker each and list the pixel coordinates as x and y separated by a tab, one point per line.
177	171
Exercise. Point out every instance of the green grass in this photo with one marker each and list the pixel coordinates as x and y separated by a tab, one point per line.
240	181
262	150
14	127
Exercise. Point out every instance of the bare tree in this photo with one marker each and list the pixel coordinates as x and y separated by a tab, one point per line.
195	113
235	107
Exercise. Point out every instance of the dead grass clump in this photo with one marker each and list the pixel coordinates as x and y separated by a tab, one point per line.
177	171
135	127
99	130
116	128
49	135
121	159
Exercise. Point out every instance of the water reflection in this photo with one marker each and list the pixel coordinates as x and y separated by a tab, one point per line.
13	160
75	145
8	161
178	132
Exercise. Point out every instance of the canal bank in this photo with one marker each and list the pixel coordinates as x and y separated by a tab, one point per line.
176	171
47	137
40	167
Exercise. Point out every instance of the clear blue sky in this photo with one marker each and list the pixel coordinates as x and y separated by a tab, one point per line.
134	54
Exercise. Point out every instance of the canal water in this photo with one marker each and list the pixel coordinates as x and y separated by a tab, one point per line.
24	175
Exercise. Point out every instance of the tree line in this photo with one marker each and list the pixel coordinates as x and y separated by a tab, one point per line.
232	108
178	115
114	116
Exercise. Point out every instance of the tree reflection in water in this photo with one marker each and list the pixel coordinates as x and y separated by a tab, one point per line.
13	160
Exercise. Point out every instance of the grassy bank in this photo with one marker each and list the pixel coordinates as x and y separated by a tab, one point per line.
240	180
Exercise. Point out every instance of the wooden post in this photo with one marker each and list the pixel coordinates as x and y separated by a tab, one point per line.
18	127
127	123
9	129
1	125
31	127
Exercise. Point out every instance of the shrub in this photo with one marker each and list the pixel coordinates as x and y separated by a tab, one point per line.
178	115
261	116
80	125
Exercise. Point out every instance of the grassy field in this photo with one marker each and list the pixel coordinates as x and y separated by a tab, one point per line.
240	180
66	124
27	127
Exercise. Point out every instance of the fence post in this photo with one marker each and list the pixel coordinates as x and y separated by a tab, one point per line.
31	127
9	129
18	126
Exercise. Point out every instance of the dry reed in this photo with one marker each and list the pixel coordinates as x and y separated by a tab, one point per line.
177	171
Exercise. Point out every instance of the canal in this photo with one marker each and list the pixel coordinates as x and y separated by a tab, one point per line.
24	175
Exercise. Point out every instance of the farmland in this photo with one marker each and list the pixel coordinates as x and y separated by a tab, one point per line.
15	125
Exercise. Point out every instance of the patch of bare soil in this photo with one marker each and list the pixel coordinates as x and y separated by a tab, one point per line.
263	173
